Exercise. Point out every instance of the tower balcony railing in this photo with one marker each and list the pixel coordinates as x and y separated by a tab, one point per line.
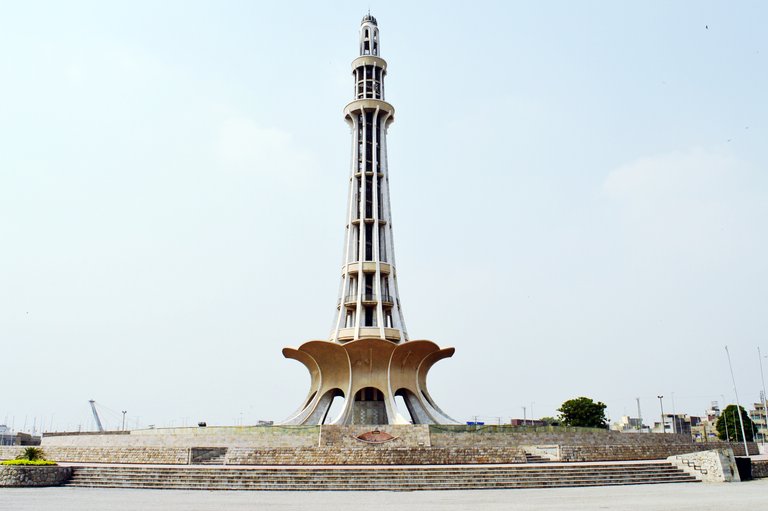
369	298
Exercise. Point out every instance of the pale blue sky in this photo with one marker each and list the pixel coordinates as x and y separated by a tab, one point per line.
579	195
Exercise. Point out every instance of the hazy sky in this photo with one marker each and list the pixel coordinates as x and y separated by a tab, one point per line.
579	194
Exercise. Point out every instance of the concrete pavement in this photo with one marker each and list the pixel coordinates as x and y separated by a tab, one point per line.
680	497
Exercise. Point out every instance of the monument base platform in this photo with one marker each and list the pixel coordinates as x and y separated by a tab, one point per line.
365	445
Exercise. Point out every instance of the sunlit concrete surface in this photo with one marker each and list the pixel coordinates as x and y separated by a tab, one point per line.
698	496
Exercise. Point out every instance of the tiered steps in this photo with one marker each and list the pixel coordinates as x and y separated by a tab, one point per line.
399	478
213	460
535	458
209	455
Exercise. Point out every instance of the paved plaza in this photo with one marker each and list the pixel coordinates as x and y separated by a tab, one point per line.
680	497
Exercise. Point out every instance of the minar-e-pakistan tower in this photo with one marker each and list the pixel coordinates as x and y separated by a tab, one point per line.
369	358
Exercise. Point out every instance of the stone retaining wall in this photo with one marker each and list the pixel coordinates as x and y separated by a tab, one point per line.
375	456
498	436
312	445
215	436
16	475
160	455
713	466
640	452
759	469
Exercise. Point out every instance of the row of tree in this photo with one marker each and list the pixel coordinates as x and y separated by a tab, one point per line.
586	413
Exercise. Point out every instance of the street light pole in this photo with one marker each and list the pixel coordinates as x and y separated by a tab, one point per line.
722	414
661	404
765	406
124	412
738	405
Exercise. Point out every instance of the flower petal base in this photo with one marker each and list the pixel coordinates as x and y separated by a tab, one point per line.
368	374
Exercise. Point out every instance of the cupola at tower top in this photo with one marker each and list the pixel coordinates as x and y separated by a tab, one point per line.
369	36
369	19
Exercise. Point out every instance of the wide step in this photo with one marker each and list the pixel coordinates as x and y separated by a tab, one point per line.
394	479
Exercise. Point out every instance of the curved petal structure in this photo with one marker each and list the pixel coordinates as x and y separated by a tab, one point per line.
368	373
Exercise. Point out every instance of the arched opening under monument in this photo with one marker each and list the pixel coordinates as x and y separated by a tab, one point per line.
402	406
369	407
335	406
415	410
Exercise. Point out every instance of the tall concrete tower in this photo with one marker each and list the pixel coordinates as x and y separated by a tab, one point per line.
369	361
368	304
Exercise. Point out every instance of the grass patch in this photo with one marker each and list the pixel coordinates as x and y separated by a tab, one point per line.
28	462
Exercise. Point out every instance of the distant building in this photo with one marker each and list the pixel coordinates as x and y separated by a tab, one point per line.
714	412
629	424
704	431
527	422
8	437
676	423
757	414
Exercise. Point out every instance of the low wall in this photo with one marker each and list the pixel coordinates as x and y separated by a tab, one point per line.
158	455
578	444
25	476
759	469
309	444
371	455
468	436
713	466
640	452
374	456
215	436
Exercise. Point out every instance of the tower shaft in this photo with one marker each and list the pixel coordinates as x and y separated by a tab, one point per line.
368	305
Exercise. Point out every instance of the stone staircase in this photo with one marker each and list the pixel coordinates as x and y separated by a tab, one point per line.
213	460
398	478
535	458
208	455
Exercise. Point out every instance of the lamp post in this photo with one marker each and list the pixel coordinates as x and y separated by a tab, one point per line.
722	414
124	412
738	405
765	406
661	404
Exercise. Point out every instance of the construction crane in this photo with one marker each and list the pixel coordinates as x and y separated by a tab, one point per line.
96	416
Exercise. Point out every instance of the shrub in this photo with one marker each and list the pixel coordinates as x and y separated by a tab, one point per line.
28	462
31	454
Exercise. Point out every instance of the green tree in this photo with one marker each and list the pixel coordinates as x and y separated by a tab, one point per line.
550	421
729	420
583	412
